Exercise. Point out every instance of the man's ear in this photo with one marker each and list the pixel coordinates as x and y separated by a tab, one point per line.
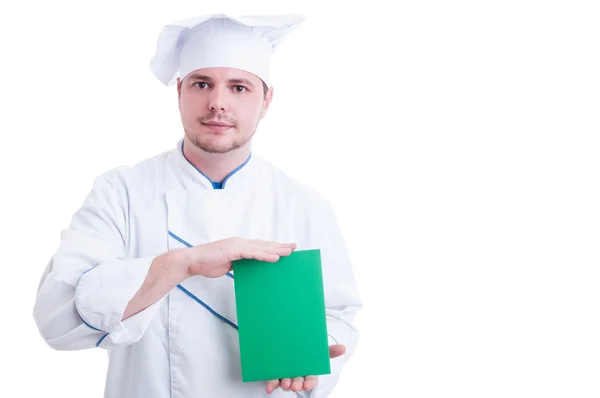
178	88
267	102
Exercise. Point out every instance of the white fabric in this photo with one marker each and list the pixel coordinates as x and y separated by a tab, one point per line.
220	40
176	348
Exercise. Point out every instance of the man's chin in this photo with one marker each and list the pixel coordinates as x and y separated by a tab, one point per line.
216	147
211	149
211	143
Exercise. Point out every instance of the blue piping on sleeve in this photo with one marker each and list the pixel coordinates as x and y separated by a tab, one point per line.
101	339
87	324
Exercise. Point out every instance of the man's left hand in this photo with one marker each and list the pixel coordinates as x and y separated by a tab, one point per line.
304	383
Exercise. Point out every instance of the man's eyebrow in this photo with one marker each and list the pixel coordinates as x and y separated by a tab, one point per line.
244	81
198	76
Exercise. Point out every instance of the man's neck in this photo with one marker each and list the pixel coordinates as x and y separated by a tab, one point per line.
215	166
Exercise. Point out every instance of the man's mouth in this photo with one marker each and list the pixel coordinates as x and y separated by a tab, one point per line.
218	126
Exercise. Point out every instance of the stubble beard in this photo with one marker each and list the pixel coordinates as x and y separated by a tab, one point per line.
215	144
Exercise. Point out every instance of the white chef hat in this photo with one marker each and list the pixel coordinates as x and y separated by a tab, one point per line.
220	40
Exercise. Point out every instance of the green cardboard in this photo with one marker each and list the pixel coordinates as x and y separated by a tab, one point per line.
281	317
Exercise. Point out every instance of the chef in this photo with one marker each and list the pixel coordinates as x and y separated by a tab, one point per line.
143	270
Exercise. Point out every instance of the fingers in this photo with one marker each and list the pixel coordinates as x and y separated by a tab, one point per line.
272	385
281	249
336	350
297	384
284	251
286	384
310	383
259	255
271	246
276	253
266	251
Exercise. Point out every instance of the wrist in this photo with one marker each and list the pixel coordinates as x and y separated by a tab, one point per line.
175	264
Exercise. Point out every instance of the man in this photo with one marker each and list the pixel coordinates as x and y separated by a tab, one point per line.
143	269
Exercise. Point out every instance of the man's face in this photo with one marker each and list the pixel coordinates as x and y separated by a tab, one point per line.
221	107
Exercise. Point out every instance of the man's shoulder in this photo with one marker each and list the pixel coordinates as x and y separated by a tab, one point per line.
293	187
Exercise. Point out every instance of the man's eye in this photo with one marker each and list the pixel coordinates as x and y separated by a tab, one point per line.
201	84
239	89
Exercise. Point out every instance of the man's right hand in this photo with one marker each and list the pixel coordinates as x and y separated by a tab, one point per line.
211	260
214	259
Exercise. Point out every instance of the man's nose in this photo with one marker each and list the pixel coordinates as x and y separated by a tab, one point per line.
216	102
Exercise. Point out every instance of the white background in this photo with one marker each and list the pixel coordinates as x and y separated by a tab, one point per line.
457	140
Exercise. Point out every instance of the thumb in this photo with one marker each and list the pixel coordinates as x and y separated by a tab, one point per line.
336	350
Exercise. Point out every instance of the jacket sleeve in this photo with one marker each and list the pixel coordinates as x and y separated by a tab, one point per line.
342	299
88	282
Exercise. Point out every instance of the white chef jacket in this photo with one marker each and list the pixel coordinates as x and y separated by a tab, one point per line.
186	344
